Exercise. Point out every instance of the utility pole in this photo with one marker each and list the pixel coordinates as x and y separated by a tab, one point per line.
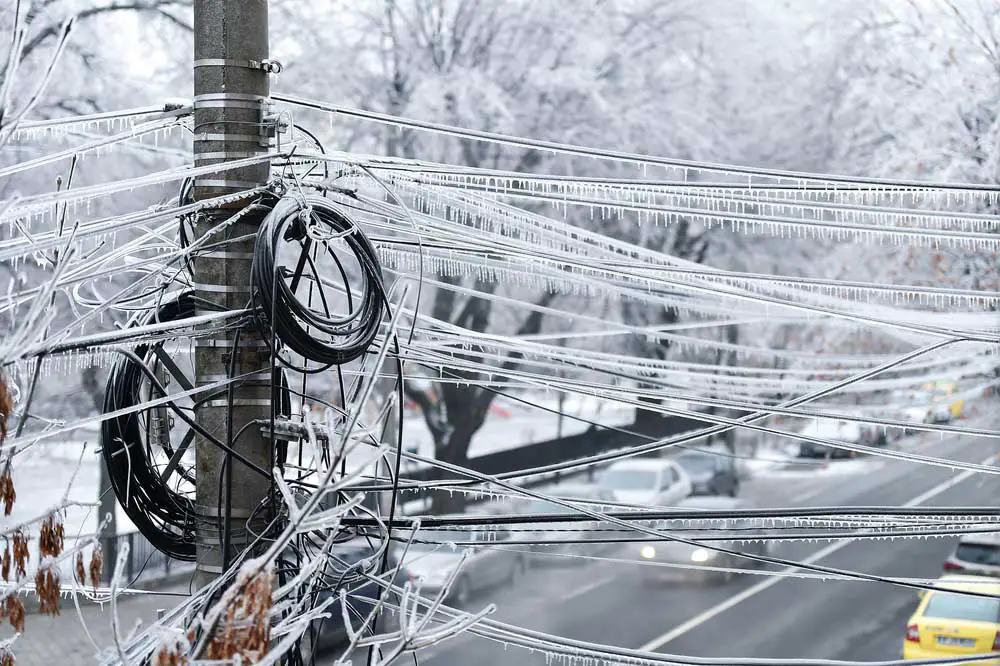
231	88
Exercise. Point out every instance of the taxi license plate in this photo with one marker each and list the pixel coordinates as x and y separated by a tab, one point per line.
952	641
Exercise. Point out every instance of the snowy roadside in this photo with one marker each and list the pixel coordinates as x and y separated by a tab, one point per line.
44	471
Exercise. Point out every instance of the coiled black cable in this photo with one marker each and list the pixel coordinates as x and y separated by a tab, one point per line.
165	516
317	336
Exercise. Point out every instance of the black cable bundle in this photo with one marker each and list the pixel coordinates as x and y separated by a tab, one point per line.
318	336
166	517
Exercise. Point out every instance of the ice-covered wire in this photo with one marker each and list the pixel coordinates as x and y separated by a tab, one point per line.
796	177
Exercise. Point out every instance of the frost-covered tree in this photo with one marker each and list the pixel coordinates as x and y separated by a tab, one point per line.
930	117
622	75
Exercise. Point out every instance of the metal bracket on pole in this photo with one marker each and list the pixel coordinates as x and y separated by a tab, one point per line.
269	66
267	124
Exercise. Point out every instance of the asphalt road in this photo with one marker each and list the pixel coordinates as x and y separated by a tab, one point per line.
603	602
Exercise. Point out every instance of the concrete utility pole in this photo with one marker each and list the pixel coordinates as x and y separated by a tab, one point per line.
230	91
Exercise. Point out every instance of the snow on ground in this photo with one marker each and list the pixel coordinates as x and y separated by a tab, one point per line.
42	474
41	477
512	424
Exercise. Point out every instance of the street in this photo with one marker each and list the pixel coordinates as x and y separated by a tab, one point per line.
754	616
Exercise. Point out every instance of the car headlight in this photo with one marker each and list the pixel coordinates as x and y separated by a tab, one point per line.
700	555
648	552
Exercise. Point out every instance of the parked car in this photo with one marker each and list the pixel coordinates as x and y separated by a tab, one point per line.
947	625
558	536
431	561
924	408
977	554
680	553
873	435
710	473
646	482
328	633
831	429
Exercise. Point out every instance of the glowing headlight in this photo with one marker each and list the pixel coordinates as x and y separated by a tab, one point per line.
648	552
700	555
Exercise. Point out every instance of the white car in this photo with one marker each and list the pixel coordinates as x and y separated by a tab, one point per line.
646	482
847	432
977	554
924	409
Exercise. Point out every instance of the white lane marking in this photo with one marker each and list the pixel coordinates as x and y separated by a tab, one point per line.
584	589
753	590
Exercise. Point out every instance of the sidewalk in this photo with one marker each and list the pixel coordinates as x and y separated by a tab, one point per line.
54	641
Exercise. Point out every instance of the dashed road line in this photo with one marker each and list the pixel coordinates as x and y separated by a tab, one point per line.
754	590
584	589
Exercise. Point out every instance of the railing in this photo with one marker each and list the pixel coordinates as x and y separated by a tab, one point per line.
144	563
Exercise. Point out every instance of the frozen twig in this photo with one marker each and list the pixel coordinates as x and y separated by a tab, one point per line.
119	572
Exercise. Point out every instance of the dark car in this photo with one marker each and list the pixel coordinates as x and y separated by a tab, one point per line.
710	473
872	435
665	553
343	569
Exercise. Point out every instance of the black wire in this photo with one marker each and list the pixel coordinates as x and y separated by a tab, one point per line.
228	462
165	517
676	513
317	337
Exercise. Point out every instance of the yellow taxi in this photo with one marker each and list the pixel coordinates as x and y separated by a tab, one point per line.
946	624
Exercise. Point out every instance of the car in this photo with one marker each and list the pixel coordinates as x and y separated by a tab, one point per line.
433	556
328	633
949	625
557	536
830	429
711	473
924	407
672	552
873	435
977	554
646	482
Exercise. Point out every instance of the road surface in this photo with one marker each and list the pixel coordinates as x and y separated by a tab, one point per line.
603	602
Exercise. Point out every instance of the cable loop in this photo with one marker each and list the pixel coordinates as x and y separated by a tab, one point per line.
314	331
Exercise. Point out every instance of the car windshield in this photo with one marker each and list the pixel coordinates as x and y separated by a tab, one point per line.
962	607
697	463
629	479
979	553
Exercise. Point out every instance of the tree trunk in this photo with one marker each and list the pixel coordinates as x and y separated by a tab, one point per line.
454	452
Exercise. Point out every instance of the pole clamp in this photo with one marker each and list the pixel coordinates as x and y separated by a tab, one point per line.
268	65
